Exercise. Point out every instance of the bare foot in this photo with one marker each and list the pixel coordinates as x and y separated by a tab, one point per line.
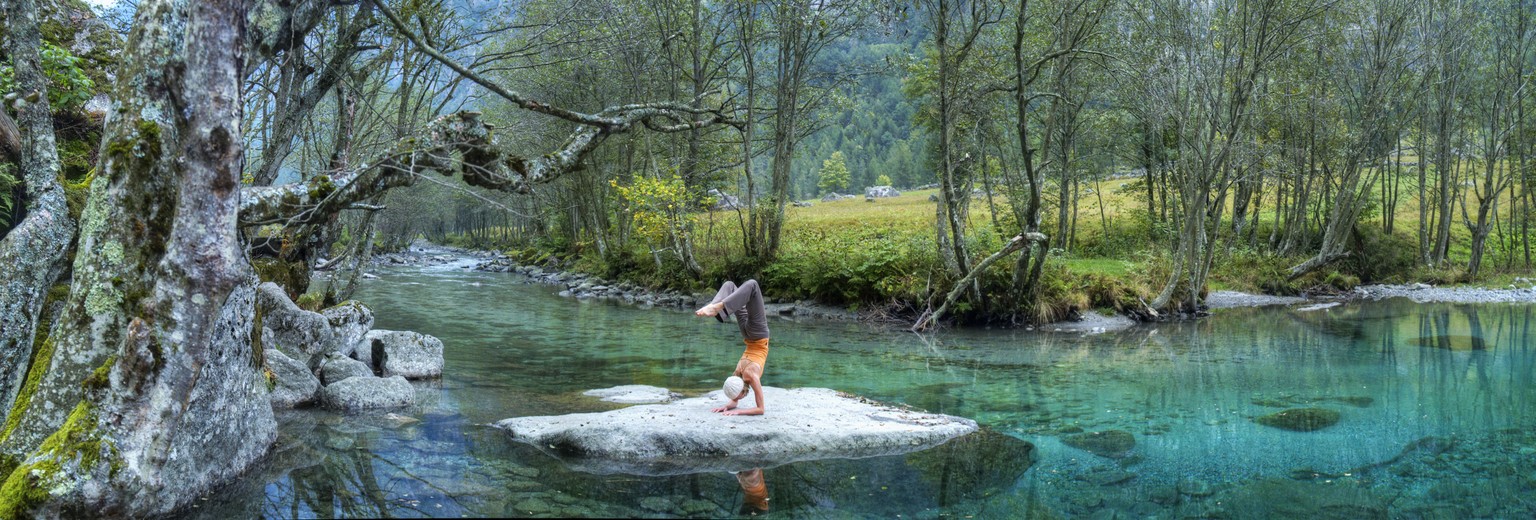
710	310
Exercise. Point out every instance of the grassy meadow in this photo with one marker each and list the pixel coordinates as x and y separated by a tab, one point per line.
881	256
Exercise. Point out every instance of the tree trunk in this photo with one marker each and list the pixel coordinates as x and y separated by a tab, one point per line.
33	252
158	319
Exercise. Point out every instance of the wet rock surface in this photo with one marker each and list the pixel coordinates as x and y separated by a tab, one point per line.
685	437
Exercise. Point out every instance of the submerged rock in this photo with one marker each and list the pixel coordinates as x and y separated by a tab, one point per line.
364	393
685	437
1109	443
404	353
634	394
293	383
1300	419
335	367
1283	498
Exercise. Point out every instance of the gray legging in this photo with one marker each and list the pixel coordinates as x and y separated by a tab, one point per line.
747	299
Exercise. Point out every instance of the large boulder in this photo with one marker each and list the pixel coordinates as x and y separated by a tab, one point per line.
725	200
366	393
880	192
350	322
404	353
336	367
293	384
300	333
685	437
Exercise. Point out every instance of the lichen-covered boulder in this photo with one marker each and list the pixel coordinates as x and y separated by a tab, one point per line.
367	393
350	322
404	353
1300	419
336	367
293	384
306	335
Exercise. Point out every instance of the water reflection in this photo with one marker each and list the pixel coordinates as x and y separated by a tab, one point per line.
1435	404
754	491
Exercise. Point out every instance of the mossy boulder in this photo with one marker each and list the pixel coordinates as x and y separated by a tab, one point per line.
1300	419
1108	443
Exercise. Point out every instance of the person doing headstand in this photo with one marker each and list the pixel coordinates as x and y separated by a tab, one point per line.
746	303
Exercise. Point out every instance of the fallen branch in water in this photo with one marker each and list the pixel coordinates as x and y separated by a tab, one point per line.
1013	246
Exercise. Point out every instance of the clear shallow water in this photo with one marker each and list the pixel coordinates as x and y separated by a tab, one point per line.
1436	407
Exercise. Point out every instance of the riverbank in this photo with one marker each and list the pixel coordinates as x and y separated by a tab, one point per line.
583	286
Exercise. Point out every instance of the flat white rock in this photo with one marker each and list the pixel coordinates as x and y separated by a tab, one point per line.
684	437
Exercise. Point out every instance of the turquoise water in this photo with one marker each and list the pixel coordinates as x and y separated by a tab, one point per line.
1435	407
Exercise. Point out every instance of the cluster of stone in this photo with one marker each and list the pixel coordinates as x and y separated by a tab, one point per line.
335	358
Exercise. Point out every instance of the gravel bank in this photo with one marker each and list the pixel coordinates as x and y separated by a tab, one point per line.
1423	293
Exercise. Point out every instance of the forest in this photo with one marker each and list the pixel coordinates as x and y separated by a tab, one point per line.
161	157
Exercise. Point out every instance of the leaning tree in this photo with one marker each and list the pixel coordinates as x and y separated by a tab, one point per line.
148	389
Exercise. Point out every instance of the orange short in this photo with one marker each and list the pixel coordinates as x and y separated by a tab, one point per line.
757	352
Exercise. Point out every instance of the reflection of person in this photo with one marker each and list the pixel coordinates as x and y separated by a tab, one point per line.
746	303
754	488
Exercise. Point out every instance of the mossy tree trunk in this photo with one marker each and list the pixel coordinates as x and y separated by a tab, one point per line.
33	252
157	321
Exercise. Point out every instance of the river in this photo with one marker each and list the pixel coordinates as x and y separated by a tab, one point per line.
1436	405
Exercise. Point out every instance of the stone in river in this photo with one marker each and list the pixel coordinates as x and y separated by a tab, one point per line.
408	354
363	393
1300	419
294	384
336	367
1109	443
303	335
684	437
350	322
634	394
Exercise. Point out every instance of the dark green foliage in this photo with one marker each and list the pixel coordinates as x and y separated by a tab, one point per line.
1376	257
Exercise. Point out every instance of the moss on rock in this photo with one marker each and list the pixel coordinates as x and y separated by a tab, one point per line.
292	276
41	359
72	453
